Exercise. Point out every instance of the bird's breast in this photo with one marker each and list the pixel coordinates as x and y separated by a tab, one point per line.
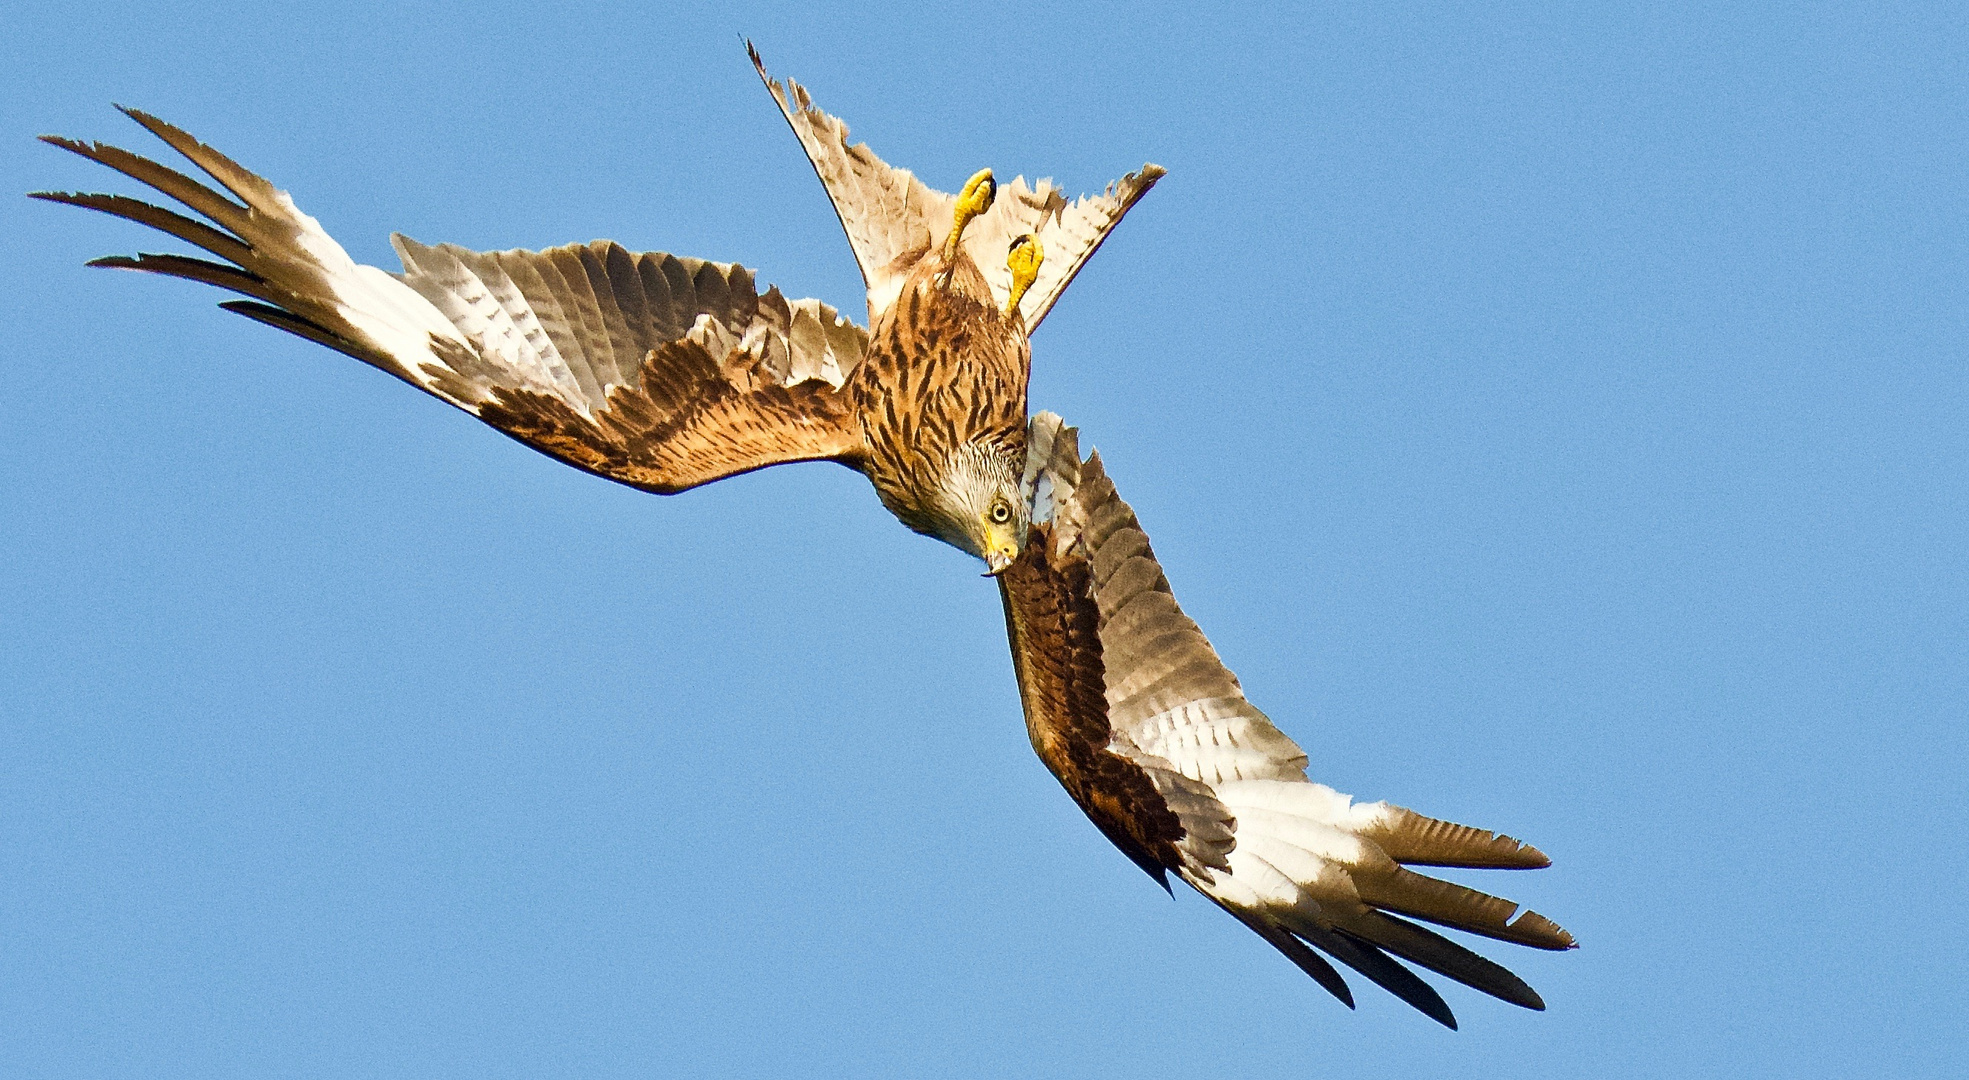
942	370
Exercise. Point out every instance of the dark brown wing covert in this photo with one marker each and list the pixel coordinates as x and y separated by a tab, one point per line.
1054	627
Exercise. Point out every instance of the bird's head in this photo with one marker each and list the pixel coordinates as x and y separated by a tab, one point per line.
978	505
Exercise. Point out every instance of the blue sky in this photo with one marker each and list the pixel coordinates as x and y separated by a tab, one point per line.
1556	417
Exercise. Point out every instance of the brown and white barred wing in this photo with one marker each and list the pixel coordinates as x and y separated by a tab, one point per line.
1159	818
658	371
890	216
1308	865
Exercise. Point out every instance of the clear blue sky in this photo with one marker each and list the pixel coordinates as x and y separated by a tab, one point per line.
1559	418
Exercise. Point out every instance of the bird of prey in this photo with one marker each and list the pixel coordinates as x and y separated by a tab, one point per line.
664	372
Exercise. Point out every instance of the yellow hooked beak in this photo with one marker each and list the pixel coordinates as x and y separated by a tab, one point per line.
999	562
1001	548
975	199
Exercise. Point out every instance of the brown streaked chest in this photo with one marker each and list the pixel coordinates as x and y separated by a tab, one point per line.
944	368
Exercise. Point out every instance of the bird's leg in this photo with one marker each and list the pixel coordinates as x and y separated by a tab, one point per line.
1023	258
976	198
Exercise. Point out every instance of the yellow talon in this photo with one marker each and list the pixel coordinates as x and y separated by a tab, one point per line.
1024	258
976	198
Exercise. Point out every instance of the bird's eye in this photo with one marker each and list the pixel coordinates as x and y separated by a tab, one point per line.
1000	513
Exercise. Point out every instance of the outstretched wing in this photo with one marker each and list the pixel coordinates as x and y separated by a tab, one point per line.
1129	706
893	219
657	371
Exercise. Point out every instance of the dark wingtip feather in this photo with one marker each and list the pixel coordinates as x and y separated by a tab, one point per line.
248	185
169	181
1387	973
231	278
136	114
73	146
1294	950
282	319
758	62
1548	934
222	244
1311	963
150	123
1419	945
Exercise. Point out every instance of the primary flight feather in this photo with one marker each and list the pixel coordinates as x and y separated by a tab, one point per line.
664	372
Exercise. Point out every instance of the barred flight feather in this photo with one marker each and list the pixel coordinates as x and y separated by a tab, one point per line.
1297	862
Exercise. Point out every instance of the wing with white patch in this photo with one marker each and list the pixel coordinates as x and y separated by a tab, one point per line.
1298	862
657	371
893	219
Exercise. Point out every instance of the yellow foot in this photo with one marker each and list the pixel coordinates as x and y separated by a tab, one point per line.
1023	258
975	199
